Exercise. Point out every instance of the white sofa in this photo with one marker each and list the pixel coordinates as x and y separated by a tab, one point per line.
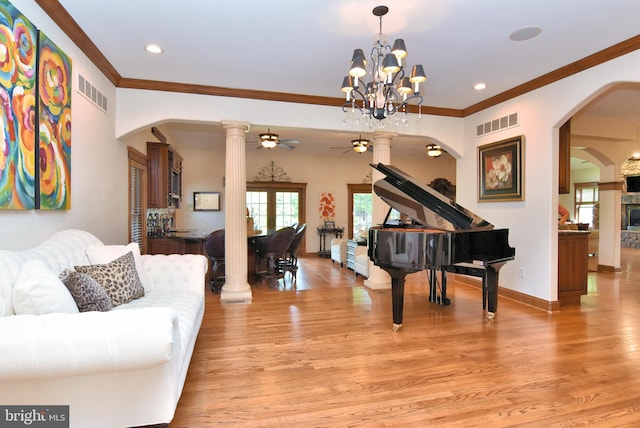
339	251
120	368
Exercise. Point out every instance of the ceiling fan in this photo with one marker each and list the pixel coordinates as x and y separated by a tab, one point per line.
359	145
268	140
431	150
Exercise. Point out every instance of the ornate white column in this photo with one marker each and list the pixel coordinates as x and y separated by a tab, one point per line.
378	278
236	287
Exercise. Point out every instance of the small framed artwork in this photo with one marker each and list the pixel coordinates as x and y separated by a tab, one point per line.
206	201
329	224
501	171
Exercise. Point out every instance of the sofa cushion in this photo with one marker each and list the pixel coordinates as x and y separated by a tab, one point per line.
101	254
88	294
119	278
187	305
39	291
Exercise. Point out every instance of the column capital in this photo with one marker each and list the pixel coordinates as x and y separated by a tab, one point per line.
384	134
235	124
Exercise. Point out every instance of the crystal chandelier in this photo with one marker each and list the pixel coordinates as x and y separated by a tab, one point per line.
389	90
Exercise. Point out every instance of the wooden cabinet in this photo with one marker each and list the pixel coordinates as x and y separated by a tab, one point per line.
164	167
351	254
573	254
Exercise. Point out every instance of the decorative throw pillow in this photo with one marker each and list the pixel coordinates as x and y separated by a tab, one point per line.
87	293
101	254
119	278
39	291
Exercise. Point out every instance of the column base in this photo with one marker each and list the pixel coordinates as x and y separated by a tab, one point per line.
236	295
378	279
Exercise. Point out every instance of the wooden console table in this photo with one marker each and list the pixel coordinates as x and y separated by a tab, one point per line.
323	233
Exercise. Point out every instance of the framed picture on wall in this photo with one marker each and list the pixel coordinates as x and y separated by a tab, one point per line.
206	201
501	171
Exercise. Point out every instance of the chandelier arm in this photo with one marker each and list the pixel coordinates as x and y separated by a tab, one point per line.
405	103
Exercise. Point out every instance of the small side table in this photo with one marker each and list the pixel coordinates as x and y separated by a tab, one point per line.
323	233
351	254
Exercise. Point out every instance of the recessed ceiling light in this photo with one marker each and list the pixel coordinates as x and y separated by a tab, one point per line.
479	86
525	33
154	49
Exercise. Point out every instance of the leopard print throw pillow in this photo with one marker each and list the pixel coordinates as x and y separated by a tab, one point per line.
86	292
119	278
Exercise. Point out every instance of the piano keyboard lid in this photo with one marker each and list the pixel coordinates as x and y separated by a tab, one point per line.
423	204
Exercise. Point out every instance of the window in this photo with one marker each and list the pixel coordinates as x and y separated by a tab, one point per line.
360	207
275	205
586	203
137	198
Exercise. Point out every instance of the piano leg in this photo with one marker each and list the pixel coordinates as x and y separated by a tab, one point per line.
397	295
441	299
490	287
433	285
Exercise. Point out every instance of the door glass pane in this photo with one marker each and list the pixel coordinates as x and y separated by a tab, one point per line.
362	212
257	205
286	209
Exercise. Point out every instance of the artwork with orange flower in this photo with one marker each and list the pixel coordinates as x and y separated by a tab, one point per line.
18	48
54	127
327	206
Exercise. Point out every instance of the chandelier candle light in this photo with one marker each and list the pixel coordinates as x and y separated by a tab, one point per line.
389	90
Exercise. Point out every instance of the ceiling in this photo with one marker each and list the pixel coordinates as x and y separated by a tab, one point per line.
304	47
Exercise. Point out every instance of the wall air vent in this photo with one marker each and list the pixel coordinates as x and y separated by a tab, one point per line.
499	124
92	94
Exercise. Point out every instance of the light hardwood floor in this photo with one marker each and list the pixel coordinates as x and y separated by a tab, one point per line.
324	355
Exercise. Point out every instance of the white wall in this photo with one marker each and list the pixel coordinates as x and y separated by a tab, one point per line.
98	161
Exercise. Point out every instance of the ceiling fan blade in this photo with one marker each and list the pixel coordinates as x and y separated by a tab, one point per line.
287	146
290	141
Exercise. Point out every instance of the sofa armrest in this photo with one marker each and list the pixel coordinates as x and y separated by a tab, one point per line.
61	345
175	272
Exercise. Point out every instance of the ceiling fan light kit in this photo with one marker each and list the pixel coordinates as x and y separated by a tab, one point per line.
268	140
433	150
389	90
360	145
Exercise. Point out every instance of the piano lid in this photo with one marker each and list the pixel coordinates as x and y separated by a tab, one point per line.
423	204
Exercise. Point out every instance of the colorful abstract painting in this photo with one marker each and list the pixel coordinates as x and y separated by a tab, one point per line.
18	50
54	126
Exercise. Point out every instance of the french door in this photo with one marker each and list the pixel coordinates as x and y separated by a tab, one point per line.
360	207
274	205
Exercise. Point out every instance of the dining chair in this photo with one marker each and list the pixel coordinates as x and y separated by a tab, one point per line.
270	249
214	246
290	261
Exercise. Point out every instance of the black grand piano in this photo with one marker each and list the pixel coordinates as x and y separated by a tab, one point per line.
435	234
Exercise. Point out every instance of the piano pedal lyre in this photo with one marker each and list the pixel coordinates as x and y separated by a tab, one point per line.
396	327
